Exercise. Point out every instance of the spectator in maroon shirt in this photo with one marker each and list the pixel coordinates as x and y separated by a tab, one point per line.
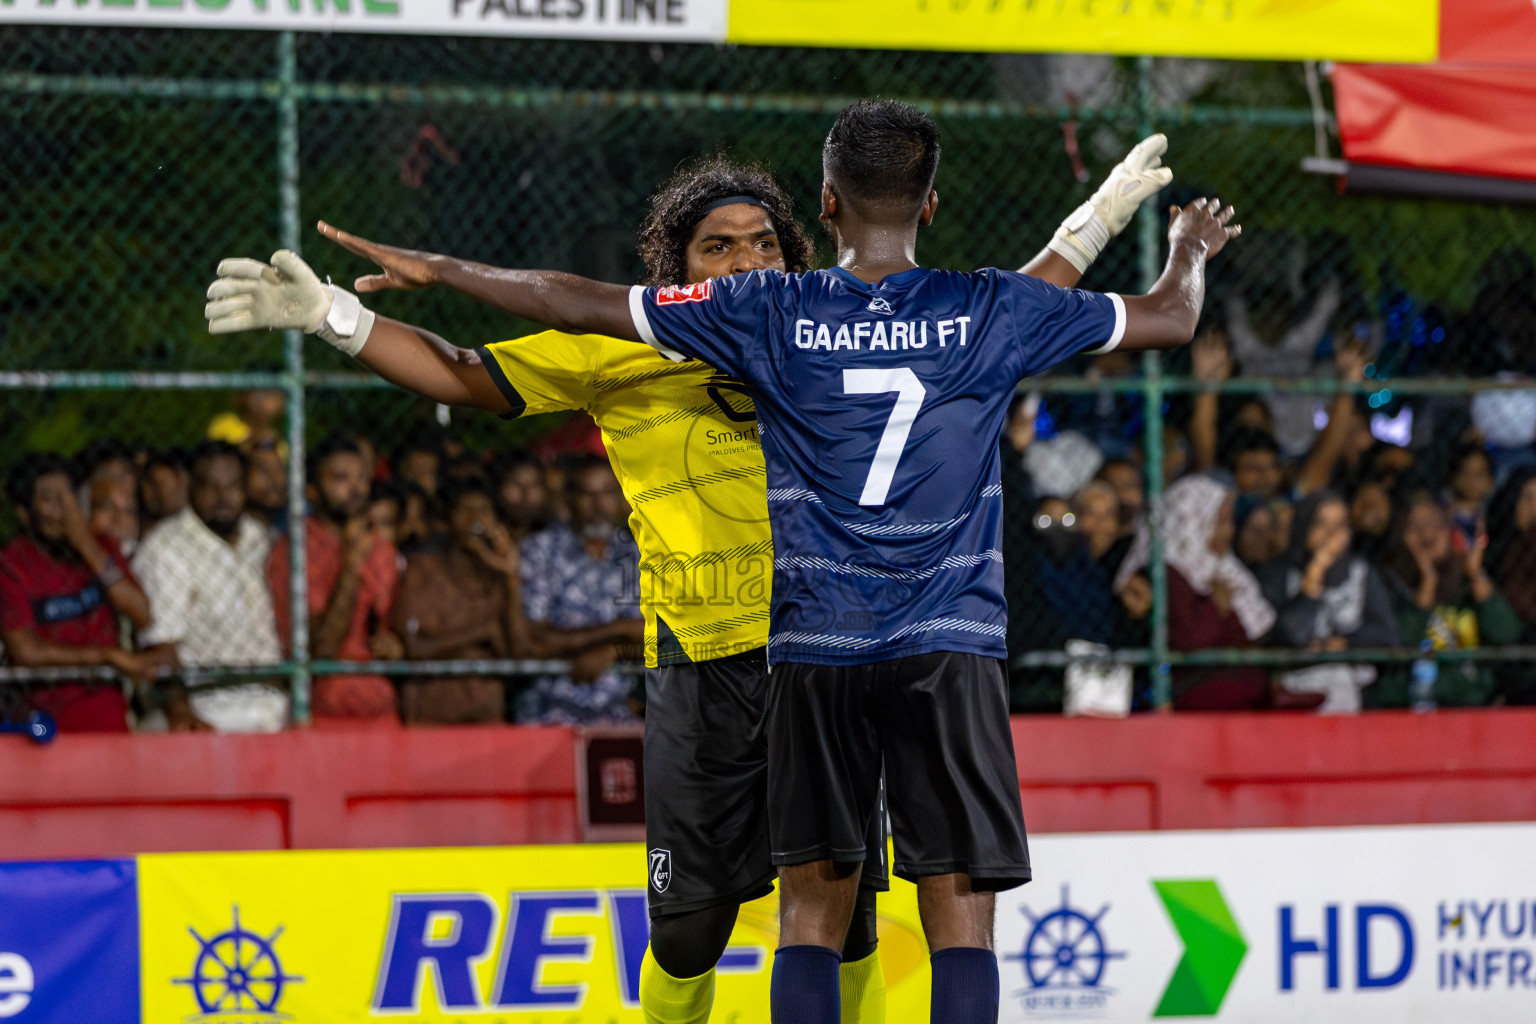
1213	598
61	590
353	574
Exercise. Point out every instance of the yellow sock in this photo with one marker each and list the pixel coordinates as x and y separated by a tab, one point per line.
863	985
668	1000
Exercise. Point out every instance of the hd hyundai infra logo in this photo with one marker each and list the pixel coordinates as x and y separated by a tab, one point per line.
676	294
1214	948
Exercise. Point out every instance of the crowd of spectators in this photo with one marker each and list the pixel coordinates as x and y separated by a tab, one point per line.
161	563
1294	519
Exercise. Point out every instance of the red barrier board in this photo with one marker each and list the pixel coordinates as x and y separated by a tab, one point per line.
97	796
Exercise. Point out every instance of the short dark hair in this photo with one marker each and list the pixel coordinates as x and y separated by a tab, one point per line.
386	490
207	451
1116	463
881	158
426	437
466	463
457	489
504	464
21	482
104	450
1244	440
330	445
178	459
576	465
683	200
1463	452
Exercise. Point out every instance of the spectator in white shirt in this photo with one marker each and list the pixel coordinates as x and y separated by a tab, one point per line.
204	570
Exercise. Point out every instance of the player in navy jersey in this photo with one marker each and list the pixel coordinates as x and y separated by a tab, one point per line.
881	389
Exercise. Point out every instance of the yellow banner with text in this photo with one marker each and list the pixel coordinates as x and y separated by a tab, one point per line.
507	935
1398	31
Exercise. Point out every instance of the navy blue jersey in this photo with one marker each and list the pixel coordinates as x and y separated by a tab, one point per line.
879	408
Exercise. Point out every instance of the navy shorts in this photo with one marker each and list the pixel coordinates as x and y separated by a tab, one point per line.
937	725
706	787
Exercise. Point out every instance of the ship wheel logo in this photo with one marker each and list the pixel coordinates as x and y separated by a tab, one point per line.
1065	948
237	973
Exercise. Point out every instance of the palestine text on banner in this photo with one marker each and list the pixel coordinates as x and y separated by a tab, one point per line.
680	21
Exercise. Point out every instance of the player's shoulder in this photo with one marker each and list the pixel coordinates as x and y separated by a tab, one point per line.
633	371
768	282
548	342
938	284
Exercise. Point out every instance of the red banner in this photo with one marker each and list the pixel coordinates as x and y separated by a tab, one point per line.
1488	32
1472	113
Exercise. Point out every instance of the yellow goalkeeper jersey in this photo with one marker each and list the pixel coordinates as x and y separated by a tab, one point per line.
683	441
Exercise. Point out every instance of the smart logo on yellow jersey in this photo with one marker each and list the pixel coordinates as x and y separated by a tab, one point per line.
683	440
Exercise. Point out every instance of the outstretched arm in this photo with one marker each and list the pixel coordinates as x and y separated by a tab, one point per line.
1052	268
566	302
1085	232
250	295
418	360
1166	316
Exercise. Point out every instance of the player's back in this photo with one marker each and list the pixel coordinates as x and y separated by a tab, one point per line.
881	407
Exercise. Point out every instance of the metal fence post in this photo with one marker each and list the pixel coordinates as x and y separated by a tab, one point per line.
293	376
1149	223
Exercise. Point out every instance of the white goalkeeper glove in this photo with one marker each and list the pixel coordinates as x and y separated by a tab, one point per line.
286	295
1137	178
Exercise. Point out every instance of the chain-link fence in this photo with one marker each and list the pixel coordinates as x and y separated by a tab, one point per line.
136	159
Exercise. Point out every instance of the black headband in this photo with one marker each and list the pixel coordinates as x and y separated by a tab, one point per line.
732	201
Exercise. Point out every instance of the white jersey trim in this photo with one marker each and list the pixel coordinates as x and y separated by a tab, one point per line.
1119	332
643	324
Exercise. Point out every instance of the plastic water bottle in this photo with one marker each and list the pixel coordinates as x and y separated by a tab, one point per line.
1421	689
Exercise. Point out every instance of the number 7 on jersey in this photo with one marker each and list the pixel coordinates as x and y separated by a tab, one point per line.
909	399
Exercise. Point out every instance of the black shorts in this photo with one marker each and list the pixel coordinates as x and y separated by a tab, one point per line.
706	787
938	723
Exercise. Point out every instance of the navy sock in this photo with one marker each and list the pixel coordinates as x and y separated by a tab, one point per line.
965	986
805	986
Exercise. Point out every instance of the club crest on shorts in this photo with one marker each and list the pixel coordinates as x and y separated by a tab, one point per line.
881	306
661	869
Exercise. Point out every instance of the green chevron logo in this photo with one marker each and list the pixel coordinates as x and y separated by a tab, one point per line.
1213	948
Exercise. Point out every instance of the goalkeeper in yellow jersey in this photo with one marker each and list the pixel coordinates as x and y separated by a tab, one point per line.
683	441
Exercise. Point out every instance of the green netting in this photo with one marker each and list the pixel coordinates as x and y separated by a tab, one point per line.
135	159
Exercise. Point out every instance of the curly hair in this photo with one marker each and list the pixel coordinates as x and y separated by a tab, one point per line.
680	203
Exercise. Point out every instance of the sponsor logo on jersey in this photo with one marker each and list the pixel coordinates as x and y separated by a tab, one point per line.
719	383
882	307
677	294
661	869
